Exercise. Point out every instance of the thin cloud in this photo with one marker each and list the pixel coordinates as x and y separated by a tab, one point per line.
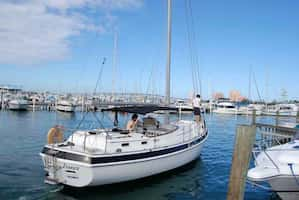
104	4
35	31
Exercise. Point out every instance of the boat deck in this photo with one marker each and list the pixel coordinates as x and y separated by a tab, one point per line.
113	141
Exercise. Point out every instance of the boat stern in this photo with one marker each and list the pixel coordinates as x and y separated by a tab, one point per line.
63	171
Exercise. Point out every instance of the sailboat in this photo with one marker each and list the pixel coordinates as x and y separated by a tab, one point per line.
106	156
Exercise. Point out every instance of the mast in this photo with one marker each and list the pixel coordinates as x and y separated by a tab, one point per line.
167	91
114	77
267	85
249	83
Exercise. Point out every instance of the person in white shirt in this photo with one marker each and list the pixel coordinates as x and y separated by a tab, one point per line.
196	108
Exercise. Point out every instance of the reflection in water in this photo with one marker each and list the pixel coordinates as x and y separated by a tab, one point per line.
65	115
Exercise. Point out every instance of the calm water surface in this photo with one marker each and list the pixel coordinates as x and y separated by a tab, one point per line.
23	135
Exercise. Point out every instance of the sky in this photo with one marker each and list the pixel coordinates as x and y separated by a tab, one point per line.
59	45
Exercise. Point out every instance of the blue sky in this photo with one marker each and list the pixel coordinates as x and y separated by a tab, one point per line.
59	45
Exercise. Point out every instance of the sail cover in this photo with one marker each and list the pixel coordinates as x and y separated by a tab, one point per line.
144	109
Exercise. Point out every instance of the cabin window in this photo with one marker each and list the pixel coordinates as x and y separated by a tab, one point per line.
230	106
144	142
125	144
70	171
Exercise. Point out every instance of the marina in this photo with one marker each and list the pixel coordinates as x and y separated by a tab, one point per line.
91	102
151	100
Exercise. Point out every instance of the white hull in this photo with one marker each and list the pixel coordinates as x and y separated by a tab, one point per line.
226	111
102	174
65	108
249	112
281	113
185	108
278	166
13	106
235	111
289	110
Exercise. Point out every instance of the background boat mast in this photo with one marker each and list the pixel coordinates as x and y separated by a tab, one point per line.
114	64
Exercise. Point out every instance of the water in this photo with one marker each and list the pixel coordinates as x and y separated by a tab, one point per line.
23	135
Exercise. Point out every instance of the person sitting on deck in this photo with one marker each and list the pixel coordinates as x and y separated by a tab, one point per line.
196	108
131	125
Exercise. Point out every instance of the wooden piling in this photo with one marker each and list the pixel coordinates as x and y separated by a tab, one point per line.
253	116
276	118
244	141
2	101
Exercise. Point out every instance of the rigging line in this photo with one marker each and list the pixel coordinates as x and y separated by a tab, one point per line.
84	66
98	120
195	88
154	89
293	173
80	122
99	76
150	80
95	89
190	46
193	34
194	50
249	83
107	116
199	76
256	86
189	43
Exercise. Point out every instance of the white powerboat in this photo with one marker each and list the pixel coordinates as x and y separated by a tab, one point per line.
183	106
226	108
279	167
282	110
35	102
249	110
65	106
18	104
